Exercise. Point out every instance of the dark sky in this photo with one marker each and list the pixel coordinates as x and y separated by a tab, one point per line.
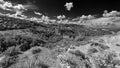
56	7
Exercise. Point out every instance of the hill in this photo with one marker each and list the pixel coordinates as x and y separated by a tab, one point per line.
29	44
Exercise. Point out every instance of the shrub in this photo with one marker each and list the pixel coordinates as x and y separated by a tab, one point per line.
36	50
105	60
8	61
12	51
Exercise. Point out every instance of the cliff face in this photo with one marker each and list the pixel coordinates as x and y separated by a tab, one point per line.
29	44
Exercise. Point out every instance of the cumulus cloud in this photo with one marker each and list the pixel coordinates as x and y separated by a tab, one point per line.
5	5
61	17
37	13
111	14
87	17
18	9
46	18
69	6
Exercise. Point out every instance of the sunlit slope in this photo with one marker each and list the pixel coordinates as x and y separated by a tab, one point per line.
113	41
104	22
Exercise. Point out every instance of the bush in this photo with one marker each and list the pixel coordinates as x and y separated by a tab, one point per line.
13	51
36	50
105	60
8	61
78	53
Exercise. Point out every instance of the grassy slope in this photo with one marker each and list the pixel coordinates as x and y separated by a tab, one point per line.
27	44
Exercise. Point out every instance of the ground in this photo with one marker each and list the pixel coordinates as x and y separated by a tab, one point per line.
29	44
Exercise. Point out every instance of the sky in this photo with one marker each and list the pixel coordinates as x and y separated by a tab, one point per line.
80	7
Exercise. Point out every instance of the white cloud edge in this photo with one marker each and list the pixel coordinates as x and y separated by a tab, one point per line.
19	9
69	5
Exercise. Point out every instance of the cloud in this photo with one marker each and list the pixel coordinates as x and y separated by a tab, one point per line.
69	6
5	5
37	13
18	9
30	6
87	17
61	17
111	14
45	18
